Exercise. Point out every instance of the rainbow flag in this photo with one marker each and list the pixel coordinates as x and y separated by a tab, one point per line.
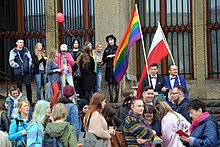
131	35
157	140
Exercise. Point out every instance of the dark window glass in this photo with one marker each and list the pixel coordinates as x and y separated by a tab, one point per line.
174	16
213	39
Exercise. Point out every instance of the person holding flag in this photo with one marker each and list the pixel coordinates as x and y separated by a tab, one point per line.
158	50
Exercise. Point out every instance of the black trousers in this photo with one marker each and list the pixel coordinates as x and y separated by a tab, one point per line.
27	82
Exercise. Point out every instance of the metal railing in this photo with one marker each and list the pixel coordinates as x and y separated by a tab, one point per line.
7	77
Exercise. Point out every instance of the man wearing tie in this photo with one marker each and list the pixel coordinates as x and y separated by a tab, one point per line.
157	82
174	79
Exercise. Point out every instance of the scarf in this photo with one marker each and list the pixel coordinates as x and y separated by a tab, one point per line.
143	122
140	117
195	123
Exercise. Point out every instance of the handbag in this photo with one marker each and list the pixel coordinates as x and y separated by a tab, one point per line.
117	140
88	139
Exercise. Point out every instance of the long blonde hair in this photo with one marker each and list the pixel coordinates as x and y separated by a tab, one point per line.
163	108
51	57
36	50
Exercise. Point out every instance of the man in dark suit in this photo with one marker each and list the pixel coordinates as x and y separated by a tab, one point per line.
157	82
174	79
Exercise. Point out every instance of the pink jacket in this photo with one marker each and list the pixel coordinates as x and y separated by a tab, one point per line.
170	124
70	61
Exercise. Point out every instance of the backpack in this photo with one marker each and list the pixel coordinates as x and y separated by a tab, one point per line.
24	142
52	141
48	91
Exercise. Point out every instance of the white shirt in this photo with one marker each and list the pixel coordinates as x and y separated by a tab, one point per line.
154	81
172	81
15	110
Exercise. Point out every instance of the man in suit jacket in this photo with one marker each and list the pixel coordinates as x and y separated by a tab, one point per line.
174	79
157	82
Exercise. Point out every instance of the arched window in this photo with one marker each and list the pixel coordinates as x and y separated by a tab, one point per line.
213	33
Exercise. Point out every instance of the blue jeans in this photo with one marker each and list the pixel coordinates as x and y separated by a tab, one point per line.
38	78
98	79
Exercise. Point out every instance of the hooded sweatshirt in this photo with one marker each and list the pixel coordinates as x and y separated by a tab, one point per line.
73	115
13	105
63	130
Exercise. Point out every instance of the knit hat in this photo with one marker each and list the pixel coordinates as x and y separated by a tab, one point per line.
82	103
63	47
68	91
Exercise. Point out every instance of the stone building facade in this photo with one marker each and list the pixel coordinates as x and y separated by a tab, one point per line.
112	17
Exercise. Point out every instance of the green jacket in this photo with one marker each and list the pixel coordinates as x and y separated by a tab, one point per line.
63	130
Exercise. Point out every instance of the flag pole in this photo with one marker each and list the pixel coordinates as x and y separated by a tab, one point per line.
143	47
171	56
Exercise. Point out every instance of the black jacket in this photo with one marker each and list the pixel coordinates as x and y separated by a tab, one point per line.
181	108
36	63
160	83
109	74
4	122
87	75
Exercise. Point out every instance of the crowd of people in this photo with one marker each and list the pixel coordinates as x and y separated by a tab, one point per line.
162	111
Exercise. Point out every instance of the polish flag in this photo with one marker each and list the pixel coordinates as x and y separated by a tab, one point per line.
158	50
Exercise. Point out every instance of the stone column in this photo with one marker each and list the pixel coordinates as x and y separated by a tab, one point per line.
112	17
199	46
52	36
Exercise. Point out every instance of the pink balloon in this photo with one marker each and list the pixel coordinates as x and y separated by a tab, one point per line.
60	17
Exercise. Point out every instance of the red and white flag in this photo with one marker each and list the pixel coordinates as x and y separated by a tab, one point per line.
158	50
